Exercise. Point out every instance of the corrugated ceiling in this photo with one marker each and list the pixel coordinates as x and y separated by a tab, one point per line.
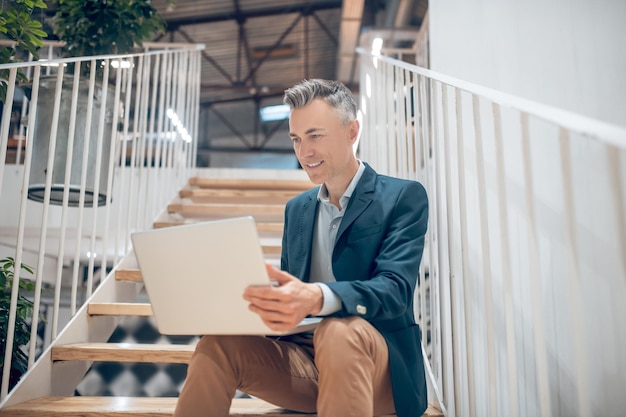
300	40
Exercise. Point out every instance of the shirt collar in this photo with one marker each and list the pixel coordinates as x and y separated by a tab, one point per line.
322	194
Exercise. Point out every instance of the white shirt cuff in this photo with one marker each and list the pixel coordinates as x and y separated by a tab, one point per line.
331	302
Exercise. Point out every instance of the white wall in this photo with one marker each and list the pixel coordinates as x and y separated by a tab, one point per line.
567	53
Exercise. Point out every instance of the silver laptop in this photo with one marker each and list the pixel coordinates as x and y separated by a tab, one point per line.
195	276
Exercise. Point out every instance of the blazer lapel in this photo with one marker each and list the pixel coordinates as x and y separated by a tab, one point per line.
361	198
306	224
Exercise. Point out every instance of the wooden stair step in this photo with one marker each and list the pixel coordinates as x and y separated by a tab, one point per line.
142	407
251	184
237	196
128	275
261	212
270	236
126	270
119	309
269	227
134	274
271	247
123	352
129	269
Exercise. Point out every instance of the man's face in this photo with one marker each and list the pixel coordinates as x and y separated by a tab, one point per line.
323	143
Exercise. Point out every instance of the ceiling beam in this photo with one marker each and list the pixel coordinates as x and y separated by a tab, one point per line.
175	22
349	32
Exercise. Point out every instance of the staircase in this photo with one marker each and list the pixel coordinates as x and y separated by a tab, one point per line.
84	341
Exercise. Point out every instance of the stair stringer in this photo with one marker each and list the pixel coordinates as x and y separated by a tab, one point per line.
46	378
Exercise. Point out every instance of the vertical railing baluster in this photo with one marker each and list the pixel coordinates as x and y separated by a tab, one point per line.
486	255
412	140
23	114
401	123
93	252
187	118
458	384
160	135
110	168
428	177
180	105
126	163
467	290
177	108
195	79
151	189
541	362
142	220
420	176
83	180
170	99
378	82
135	185
390	130
434	251
577	306
381	134
421	116
377	139
509	316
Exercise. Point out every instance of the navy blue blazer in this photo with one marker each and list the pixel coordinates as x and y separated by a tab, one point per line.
375	262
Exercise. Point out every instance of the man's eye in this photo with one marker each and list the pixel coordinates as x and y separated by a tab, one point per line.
295	140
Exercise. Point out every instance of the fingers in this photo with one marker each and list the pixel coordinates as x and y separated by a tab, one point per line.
267	304
274	319
254	293
277	275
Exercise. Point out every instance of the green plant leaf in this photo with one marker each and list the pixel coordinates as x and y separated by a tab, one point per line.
23	318
17	24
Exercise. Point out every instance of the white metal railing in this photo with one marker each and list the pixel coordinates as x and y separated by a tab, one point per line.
526	251
100	154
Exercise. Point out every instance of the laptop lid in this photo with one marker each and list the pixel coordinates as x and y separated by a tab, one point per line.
195	276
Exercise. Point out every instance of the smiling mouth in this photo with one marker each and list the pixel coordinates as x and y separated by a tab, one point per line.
316	164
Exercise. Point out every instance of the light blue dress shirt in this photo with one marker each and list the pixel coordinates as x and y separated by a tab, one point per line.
324	236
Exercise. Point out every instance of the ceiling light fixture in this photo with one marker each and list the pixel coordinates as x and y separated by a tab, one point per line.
274	113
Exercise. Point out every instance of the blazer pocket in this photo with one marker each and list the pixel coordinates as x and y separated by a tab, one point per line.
363	233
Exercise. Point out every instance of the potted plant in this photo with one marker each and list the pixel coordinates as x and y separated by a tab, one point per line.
89	28
17	25
100	27
19	364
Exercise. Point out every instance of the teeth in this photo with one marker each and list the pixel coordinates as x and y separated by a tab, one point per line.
314	165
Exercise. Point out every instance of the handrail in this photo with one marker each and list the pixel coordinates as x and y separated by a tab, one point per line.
100	169
513	186
593	128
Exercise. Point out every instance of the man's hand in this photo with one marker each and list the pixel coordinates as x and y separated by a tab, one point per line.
282	307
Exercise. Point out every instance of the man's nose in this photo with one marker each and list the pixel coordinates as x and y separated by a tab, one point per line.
306	149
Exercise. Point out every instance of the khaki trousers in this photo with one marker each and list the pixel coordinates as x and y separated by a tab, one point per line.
346	374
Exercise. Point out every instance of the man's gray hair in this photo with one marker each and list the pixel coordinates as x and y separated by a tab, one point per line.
334	93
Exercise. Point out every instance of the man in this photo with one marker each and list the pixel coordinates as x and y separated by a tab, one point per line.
351	252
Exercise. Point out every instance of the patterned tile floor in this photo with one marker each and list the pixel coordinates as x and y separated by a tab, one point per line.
136	379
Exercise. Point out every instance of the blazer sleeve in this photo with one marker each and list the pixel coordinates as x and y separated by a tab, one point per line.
381	288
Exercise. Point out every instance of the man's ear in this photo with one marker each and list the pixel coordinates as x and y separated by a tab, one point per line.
354	130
